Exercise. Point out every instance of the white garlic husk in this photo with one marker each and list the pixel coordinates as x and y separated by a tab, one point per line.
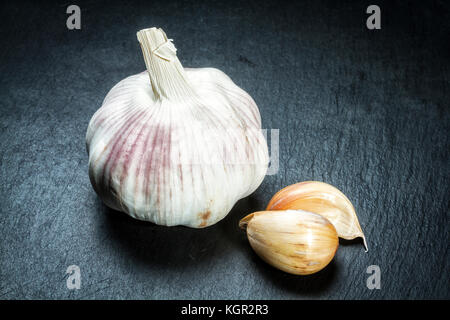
175	146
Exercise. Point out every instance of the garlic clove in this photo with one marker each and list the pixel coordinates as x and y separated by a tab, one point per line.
294	241
324	199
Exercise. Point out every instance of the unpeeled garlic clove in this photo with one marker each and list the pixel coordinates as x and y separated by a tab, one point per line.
324	199
294	241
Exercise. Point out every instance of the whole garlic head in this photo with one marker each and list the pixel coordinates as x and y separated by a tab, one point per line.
175	146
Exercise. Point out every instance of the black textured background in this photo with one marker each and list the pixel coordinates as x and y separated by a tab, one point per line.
366	111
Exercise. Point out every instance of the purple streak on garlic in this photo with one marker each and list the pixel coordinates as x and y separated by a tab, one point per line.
180	149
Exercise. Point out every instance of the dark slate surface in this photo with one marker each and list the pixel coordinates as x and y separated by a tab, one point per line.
367	111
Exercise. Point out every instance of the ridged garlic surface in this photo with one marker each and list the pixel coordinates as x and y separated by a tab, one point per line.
324	199
175	146
294	241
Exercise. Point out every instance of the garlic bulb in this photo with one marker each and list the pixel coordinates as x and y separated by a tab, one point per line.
294	241
175	146
324	199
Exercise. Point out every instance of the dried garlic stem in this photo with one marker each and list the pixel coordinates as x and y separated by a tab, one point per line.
167	75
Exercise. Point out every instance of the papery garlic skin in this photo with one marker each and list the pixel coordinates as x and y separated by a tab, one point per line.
294	241
324	199
175	146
